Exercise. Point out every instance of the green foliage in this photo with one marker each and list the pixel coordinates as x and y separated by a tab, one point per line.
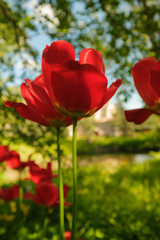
15	24
16	131
124	31
140	143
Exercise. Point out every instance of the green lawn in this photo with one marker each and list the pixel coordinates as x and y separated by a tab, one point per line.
115	202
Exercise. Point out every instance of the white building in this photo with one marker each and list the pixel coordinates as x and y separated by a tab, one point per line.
106	113
101	119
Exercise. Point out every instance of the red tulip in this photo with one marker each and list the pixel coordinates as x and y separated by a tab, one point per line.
4	152
9	193
76	88
146	76
12	158
46	193
54	193
39	108
13	161
37	173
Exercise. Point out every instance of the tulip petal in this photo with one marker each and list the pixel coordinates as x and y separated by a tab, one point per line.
30	94
37	173
78	88
110	92
141	73
9	193
47	71
38	91
155	78
27	112
50	196
27	95
59	52
40	81
13	160
93	57
138	116
4	152
37	98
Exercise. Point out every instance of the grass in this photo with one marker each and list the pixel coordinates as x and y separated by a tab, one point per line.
121	202
115	202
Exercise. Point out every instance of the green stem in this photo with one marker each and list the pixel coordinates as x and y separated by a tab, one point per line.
74	155
43	226
21	188
20	194
60	177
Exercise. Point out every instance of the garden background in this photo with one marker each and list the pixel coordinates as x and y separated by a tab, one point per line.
118	174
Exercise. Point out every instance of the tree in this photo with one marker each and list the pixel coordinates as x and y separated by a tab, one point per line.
123	30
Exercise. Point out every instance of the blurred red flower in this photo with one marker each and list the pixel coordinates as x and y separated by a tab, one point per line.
146	76
51	192
13	161
46	193
12	158
4	152
37	173
67	236
9	193
39	108
76	88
